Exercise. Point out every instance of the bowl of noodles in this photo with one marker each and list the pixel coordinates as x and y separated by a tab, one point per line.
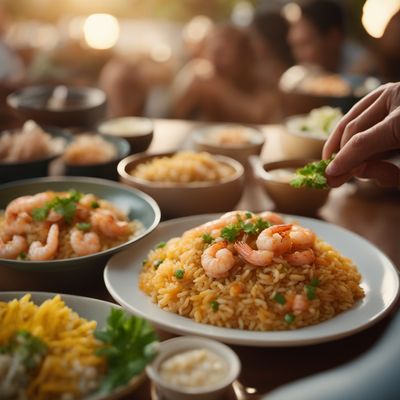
56	347
70	224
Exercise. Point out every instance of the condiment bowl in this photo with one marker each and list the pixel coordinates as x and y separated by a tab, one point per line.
79	106
136	130
182	199
287	199
178	345
108	169
16	170
231	140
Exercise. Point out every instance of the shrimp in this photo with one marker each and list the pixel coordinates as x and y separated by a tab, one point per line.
88	200
19	224
299	258
27	204
275	239
106	223
13	248
302	238
260	258
271	217
41	252
217	260
84	244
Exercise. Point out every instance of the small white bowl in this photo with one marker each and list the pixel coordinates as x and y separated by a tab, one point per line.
178	345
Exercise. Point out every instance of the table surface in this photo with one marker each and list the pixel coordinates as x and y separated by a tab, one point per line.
375	215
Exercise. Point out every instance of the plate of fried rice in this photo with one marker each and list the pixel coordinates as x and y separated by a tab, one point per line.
58	347
255	279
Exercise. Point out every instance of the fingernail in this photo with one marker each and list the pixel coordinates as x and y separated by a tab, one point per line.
332	169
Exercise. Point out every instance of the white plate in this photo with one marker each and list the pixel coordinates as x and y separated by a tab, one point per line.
380	281
91	309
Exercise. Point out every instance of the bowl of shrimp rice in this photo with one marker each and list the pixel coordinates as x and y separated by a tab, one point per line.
251	271
70	223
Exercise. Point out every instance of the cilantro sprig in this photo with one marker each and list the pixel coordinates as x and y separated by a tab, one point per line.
312	175
65	206
130	343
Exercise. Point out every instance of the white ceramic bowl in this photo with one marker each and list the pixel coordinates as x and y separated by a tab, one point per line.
209	139
178	345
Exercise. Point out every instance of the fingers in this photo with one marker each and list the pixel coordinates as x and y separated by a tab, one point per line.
385	173
362	146
332	145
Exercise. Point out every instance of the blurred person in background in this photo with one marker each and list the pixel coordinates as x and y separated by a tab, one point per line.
237	78
318	38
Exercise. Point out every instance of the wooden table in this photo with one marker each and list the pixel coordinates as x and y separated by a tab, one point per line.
375	216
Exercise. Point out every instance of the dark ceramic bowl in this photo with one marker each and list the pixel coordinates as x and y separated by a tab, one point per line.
136	130
107	170
78	271
12	171
84	106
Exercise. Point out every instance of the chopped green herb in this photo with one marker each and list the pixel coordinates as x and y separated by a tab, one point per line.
157	263
145	261
280	298
179	273
94	204
261	225
249	214
231	232
214	305
130	343
84	226
314	282
40	214
310	292
312	175
160	245
22	255
289	318
207	238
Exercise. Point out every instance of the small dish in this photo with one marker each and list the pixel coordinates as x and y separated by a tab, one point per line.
180	199
76	106
136	130
231	140
12	171
108	169
287	199
179	345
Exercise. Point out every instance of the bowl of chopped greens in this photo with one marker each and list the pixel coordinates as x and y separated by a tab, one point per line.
70	347
305	135
296	186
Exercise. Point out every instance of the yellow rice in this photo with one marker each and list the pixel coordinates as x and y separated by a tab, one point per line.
246	297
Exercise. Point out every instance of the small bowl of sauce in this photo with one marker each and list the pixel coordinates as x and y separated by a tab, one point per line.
191	367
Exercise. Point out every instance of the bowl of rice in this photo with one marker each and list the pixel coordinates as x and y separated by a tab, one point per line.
231	140
305	135
26	152
185	183
91	154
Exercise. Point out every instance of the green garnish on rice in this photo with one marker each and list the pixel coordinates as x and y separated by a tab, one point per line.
179	273
214	305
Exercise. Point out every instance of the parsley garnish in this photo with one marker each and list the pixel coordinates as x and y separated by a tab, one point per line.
22	255
94	204
179	273
157	263
280	298
314	282
207	238
145	261
84	226
312	175
249	214
160	245
214	305
310	292
231	232
129	345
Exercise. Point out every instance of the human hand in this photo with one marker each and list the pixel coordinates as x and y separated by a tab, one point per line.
363	136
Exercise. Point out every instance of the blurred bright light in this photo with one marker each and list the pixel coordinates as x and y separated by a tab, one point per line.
292	12
242	13
197	29
101	31
377	14
160	52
